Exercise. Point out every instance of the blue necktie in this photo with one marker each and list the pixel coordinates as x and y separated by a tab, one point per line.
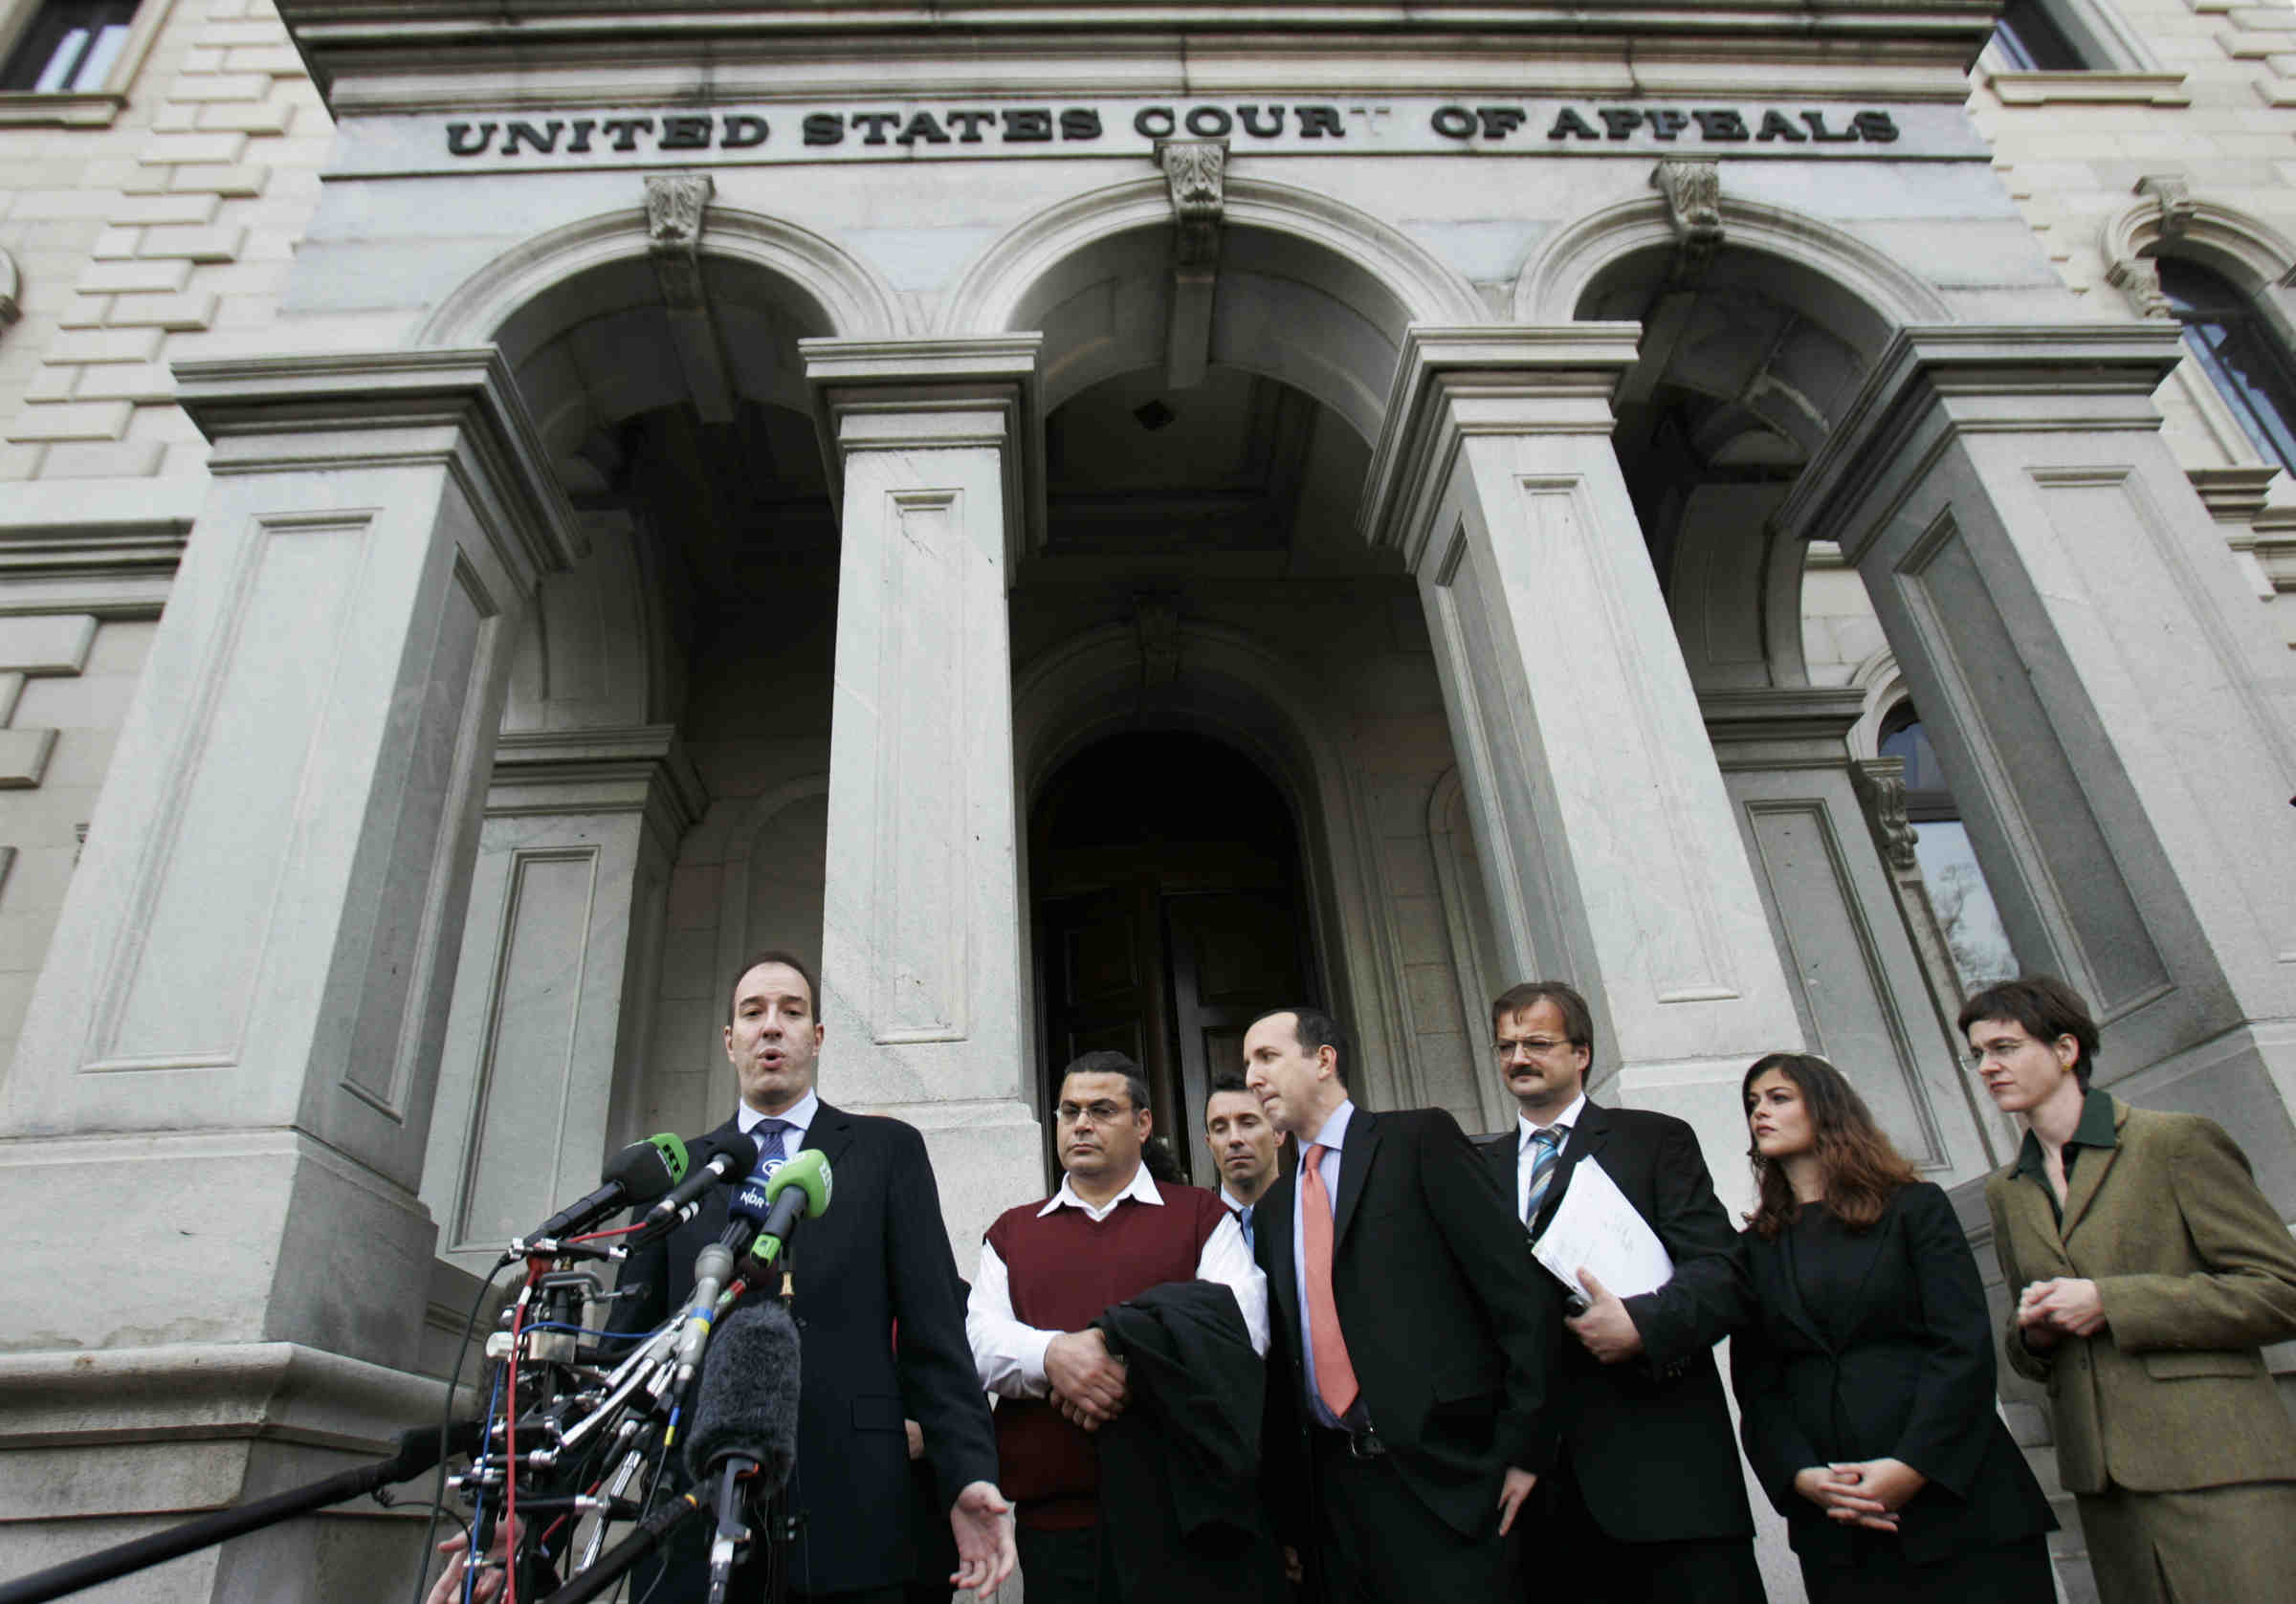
1244	1222
1548	1143
770	1147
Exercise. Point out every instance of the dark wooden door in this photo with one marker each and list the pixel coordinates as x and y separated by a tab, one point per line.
1234	956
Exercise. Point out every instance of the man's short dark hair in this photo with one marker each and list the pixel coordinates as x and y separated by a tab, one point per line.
1228	1080
773	954
1108	1062
1316	1030
2045	1008
1577	1018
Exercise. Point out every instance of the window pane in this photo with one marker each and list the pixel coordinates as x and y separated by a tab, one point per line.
1964	905
65	56
97	67
2238	351
2033	41
68	45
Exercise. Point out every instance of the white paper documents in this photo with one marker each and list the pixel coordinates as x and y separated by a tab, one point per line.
1595	1228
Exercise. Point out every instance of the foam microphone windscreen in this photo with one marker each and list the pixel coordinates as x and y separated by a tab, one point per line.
746	1404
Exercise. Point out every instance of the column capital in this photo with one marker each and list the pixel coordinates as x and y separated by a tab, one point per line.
1934	380
266	414
1455	382
638	768
1781	727
911	395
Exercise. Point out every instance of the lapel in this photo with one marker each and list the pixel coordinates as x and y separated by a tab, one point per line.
1354	1162
1861	1251
1779	1289
2089	1173
1587	1140
1502	1156
1271	1224
2026	1207
831	1134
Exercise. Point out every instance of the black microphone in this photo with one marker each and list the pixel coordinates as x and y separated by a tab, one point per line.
728	1155
637	1175
745	1419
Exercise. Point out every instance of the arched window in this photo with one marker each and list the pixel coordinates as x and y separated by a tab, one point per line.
2241	352
1963	903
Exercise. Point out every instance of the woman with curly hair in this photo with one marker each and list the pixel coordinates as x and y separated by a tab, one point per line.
1865	1381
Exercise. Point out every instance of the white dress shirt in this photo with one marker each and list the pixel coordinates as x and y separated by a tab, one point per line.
799	1116
1330	1138
1009	1354
1525	1153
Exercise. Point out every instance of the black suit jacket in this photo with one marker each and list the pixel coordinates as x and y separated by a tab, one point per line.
1649	1439
1909	1377
877	1262
1450	1332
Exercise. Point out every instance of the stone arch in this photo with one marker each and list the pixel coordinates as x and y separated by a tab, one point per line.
1556	277
1291	260
2165	220
845	296
1236	690
1733	584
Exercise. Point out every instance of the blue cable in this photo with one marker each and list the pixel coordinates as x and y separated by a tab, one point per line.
470	1551
584	1331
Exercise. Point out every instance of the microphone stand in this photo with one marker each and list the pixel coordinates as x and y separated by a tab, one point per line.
419	1450
652	1531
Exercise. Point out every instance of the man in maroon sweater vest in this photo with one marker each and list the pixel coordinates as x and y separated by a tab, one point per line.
1047	1270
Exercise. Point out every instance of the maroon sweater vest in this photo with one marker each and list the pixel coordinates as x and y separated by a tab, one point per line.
1064	1268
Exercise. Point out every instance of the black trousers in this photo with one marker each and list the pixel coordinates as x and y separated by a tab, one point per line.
1067	1566
1378	1544
1571	1560
1880	1573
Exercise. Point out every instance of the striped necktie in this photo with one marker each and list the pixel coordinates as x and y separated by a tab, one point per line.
1548	1144
769	1132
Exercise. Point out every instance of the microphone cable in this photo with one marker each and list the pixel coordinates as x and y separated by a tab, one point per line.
445	1424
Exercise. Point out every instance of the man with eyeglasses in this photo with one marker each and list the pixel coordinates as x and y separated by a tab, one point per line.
1646	1500
1049	1272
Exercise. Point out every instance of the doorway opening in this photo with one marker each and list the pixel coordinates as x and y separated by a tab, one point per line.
1169	912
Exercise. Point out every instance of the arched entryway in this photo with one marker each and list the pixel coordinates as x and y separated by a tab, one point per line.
1169	912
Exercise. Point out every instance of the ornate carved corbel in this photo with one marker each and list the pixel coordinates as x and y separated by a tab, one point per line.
1195	173
1196	176
1156	626
1694	194
677	209
2138	277
2174	193
1880	784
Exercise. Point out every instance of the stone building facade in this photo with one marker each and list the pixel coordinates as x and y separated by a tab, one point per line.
1090	525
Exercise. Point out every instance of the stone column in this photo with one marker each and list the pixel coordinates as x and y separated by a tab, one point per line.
1857	977
1607	841
923	931
2113	715
215	1125
552	1005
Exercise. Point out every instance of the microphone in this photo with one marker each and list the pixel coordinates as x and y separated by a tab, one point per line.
639	1174
745	1421
732	1154
799	1190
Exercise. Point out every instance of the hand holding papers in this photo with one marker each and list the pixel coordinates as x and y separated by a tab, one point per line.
1595	1228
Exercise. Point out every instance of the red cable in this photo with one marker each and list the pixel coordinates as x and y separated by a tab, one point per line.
617	1231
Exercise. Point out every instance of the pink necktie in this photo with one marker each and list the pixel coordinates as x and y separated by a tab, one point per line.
1335	1370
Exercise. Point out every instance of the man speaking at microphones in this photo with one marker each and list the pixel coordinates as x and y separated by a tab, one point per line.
880	1321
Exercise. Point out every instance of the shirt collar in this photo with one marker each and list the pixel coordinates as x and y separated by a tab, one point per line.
798	1116
1333	1134
1233	1202
1563	1123
1141	1189
2095	1131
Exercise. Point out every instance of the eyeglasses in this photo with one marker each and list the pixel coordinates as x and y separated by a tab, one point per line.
1533	1046
1102	1112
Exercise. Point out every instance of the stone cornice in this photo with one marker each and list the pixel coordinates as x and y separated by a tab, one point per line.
395	38
1451	383
1976	379
1796	726
365	410
929	394
640	768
